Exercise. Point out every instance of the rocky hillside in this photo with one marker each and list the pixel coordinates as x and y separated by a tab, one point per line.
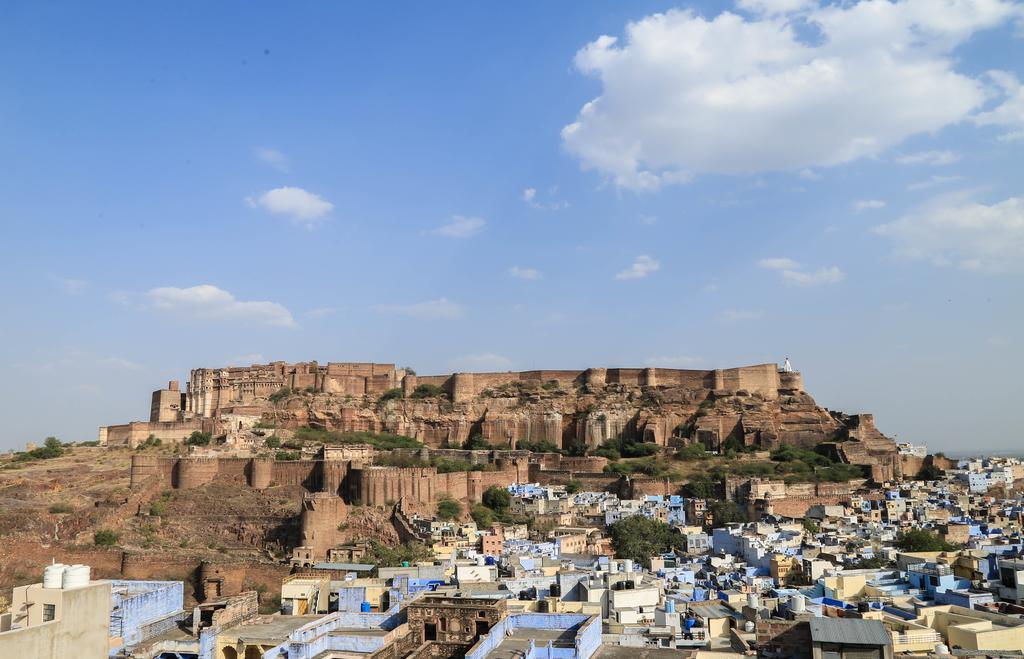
584	415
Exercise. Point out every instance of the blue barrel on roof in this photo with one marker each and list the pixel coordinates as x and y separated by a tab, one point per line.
364	607
489	560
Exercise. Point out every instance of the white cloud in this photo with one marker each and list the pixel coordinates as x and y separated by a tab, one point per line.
683	95
642	266
793	273
649	220
530	198
778	264
207	302
774	7
300	206
525	273
967	235
69	285
933	181
440	309
809	174
868	204
739	315
273	158
1010	113
928	158
459	227
679	361
832	275
487	361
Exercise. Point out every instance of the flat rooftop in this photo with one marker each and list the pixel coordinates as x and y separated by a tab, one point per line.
621	652
518	643
268	628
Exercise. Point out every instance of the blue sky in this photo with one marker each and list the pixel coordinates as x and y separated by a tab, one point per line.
490	187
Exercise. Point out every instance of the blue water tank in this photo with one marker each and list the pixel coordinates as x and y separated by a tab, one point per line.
670	606
364	607
489	560
405	563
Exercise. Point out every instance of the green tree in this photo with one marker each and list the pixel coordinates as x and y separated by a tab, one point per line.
497	498
279	395
272	442
198	438
922	540
391	394
483	516
573	486
726	512
105	538
476	443
811	525
448	509
382	555
699	487
930	472
691	453
639	538
426	391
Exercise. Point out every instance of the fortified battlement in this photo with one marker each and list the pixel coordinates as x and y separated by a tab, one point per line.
211	391
369	484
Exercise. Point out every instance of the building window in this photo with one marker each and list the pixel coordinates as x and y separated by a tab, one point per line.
49	612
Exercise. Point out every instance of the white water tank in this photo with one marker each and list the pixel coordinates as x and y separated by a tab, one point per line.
613	567
749	626
753	600
797	604
627	565
75	576
53	575
942	649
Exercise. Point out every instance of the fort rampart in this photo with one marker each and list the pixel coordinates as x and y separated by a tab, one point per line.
212	390
353	481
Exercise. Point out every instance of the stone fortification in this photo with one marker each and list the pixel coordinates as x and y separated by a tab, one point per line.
212	391
761	406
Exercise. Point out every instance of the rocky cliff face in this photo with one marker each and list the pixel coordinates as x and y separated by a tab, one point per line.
587	415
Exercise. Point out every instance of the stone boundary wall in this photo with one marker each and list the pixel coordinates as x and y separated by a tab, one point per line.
372	485
762	378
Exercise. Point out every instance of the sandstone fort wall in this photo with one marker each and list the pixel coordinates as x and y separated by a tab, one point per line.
210	390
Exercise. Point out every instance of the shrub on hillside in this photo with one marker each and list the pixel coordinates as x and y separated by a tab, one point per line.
427	391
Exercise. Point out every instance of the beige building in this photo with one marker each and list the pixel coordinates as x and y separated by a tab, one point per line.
57	622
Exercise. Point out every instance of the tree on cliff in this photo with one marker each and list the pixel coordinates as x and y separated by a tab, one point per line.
483	516
476	443
497	498
448	509
639	538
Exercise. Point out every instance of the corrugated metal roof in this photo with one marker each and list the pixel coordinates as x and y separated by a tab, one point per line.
849	630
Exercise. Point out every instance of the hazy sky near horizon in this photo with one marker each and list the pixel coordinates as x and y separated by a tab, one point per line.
506	186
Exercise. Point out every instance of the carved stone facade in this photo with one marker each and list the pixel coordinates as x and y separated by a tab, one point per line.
454	621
